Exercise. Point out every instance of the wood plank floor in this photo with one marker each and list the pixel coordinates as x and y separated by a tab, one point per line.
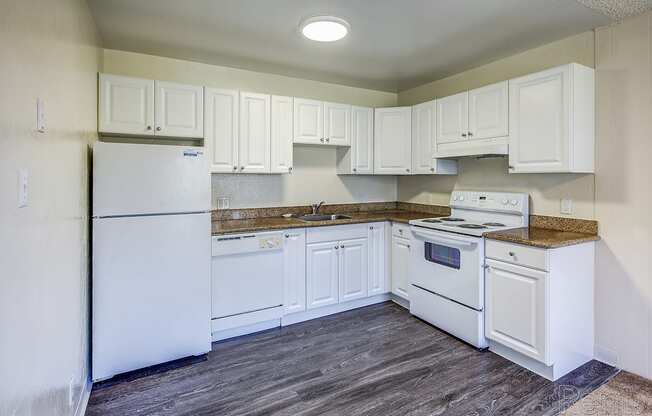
377	360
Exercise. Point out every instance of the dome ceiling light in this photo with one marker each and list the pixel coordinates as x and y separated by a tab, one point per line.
324	28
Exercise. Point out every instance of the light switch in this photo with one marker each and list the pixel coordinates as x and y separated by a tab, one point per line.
23	187
223	202
40	115
566	206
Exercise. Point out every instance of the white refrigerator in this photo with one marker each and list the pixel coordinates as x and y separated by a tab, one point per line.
151	245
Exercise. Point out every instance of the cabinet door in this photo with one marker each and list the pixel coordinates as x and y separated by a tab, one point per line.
539	122
517	310
377	259
282	125
354	269
221	129
400	259
453	118
393	141
126	105
488	115
308	121
423	137
294	262
337	124
322	274
255	129
362	137
179	110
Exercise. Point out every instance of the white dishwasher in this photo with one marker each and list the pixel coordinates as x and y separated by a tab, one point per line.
247	281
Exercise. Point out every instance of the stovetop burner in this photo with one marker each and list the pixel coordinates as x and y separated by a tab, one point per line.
494	224
472	226
452	219
431	220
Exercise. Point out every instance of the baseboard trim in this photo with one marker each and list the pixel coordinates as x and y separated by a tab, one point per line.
297	317
245	330
84	397
400	301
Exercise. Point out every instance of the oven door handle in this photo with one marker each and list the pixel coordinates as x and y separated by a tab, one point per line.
453	241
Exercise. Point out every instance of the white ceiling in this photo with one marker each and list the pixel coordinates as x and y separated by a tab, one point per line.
393	44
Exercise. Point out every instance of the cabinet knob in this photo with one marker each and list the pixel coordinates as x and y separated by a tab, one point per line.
287	235
290	169
470	134
241	167
342	246
158	128
328	140
407	170
511	167
511	253
355	170
432	169
149	127
321	140
463	134
371	228
235	168
336	247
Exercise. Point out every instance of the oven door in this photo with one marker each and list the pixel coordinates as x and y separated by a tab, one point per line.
449	265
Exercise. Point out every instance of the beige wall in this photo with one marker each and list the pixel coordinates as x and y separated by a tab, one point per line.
546	191
48	50
314	176
623	196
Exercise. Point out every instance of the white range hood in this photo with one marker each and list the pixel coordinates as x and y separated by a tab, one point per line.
474	148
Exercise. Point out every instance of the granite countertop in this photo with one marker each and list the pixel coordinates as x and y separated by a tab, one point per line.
542	237
220	227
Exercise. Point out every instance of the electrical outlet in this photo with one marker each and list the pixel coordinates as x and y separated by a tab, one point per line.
222	202
566	206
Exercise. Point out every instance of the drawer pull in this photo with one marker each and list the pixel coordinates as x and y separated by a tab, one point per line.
511	253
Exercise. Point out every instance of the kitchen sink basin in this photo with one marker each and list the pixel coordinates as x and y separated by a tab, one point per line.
323	217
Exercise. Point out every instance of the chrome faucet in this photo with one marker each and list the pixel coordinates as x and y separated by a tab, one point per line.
315	208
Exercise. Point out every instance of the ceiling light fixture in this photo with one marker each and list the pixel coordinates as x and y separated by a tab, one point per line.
325	28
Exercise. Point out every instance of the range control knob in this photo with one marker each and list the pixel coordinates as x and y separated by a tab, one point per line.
514	202
455	198
504	201
461	197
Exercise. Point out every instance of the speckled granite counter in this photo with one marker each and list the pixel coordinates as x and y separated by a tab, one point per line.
280	223
542	237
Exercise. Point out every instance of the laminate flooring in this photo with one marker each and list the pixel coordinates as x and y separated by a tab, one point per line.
378	360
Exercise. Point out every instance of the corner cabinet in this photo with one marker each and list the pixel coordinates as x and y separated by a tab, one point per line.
393	141
359	158
552	121
142	107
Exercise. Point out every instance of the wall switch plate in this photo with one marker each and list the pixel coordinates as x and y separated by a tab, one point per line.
23	188
566	206
40	115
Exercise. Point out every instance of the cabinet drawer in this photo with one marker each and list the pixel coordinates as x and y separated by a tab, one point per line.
336	233
400	230
521	255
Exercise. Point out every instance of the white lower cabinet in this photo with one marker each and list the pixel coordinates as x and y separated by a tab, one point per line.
400	260
518	315
322	274
377	260
539	305
294	266
354	272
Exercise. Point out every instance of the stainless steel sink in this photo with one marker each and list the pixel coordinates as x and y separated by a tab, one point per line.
323	217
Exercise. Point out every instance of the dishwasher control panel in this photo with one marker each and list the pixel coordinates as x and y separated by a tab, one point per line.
270	242
231	244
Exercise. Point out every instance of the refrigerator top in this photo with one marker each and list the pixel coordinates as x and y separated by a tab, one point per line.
142	179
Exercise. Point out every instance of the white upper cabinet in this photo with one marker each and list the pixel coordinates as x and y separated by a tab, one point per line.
488	115
308	121
393	141
453	118
358	159
179	110
424	129
126	105
337	124
221	129
551	121
282	134
144	107
255	133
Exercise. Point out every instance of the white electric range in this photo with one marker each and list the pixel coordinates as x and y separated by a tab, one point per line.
446	269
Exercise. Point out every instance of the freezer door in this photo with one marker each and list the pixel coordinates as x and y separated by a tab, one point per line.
132	179
151	291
